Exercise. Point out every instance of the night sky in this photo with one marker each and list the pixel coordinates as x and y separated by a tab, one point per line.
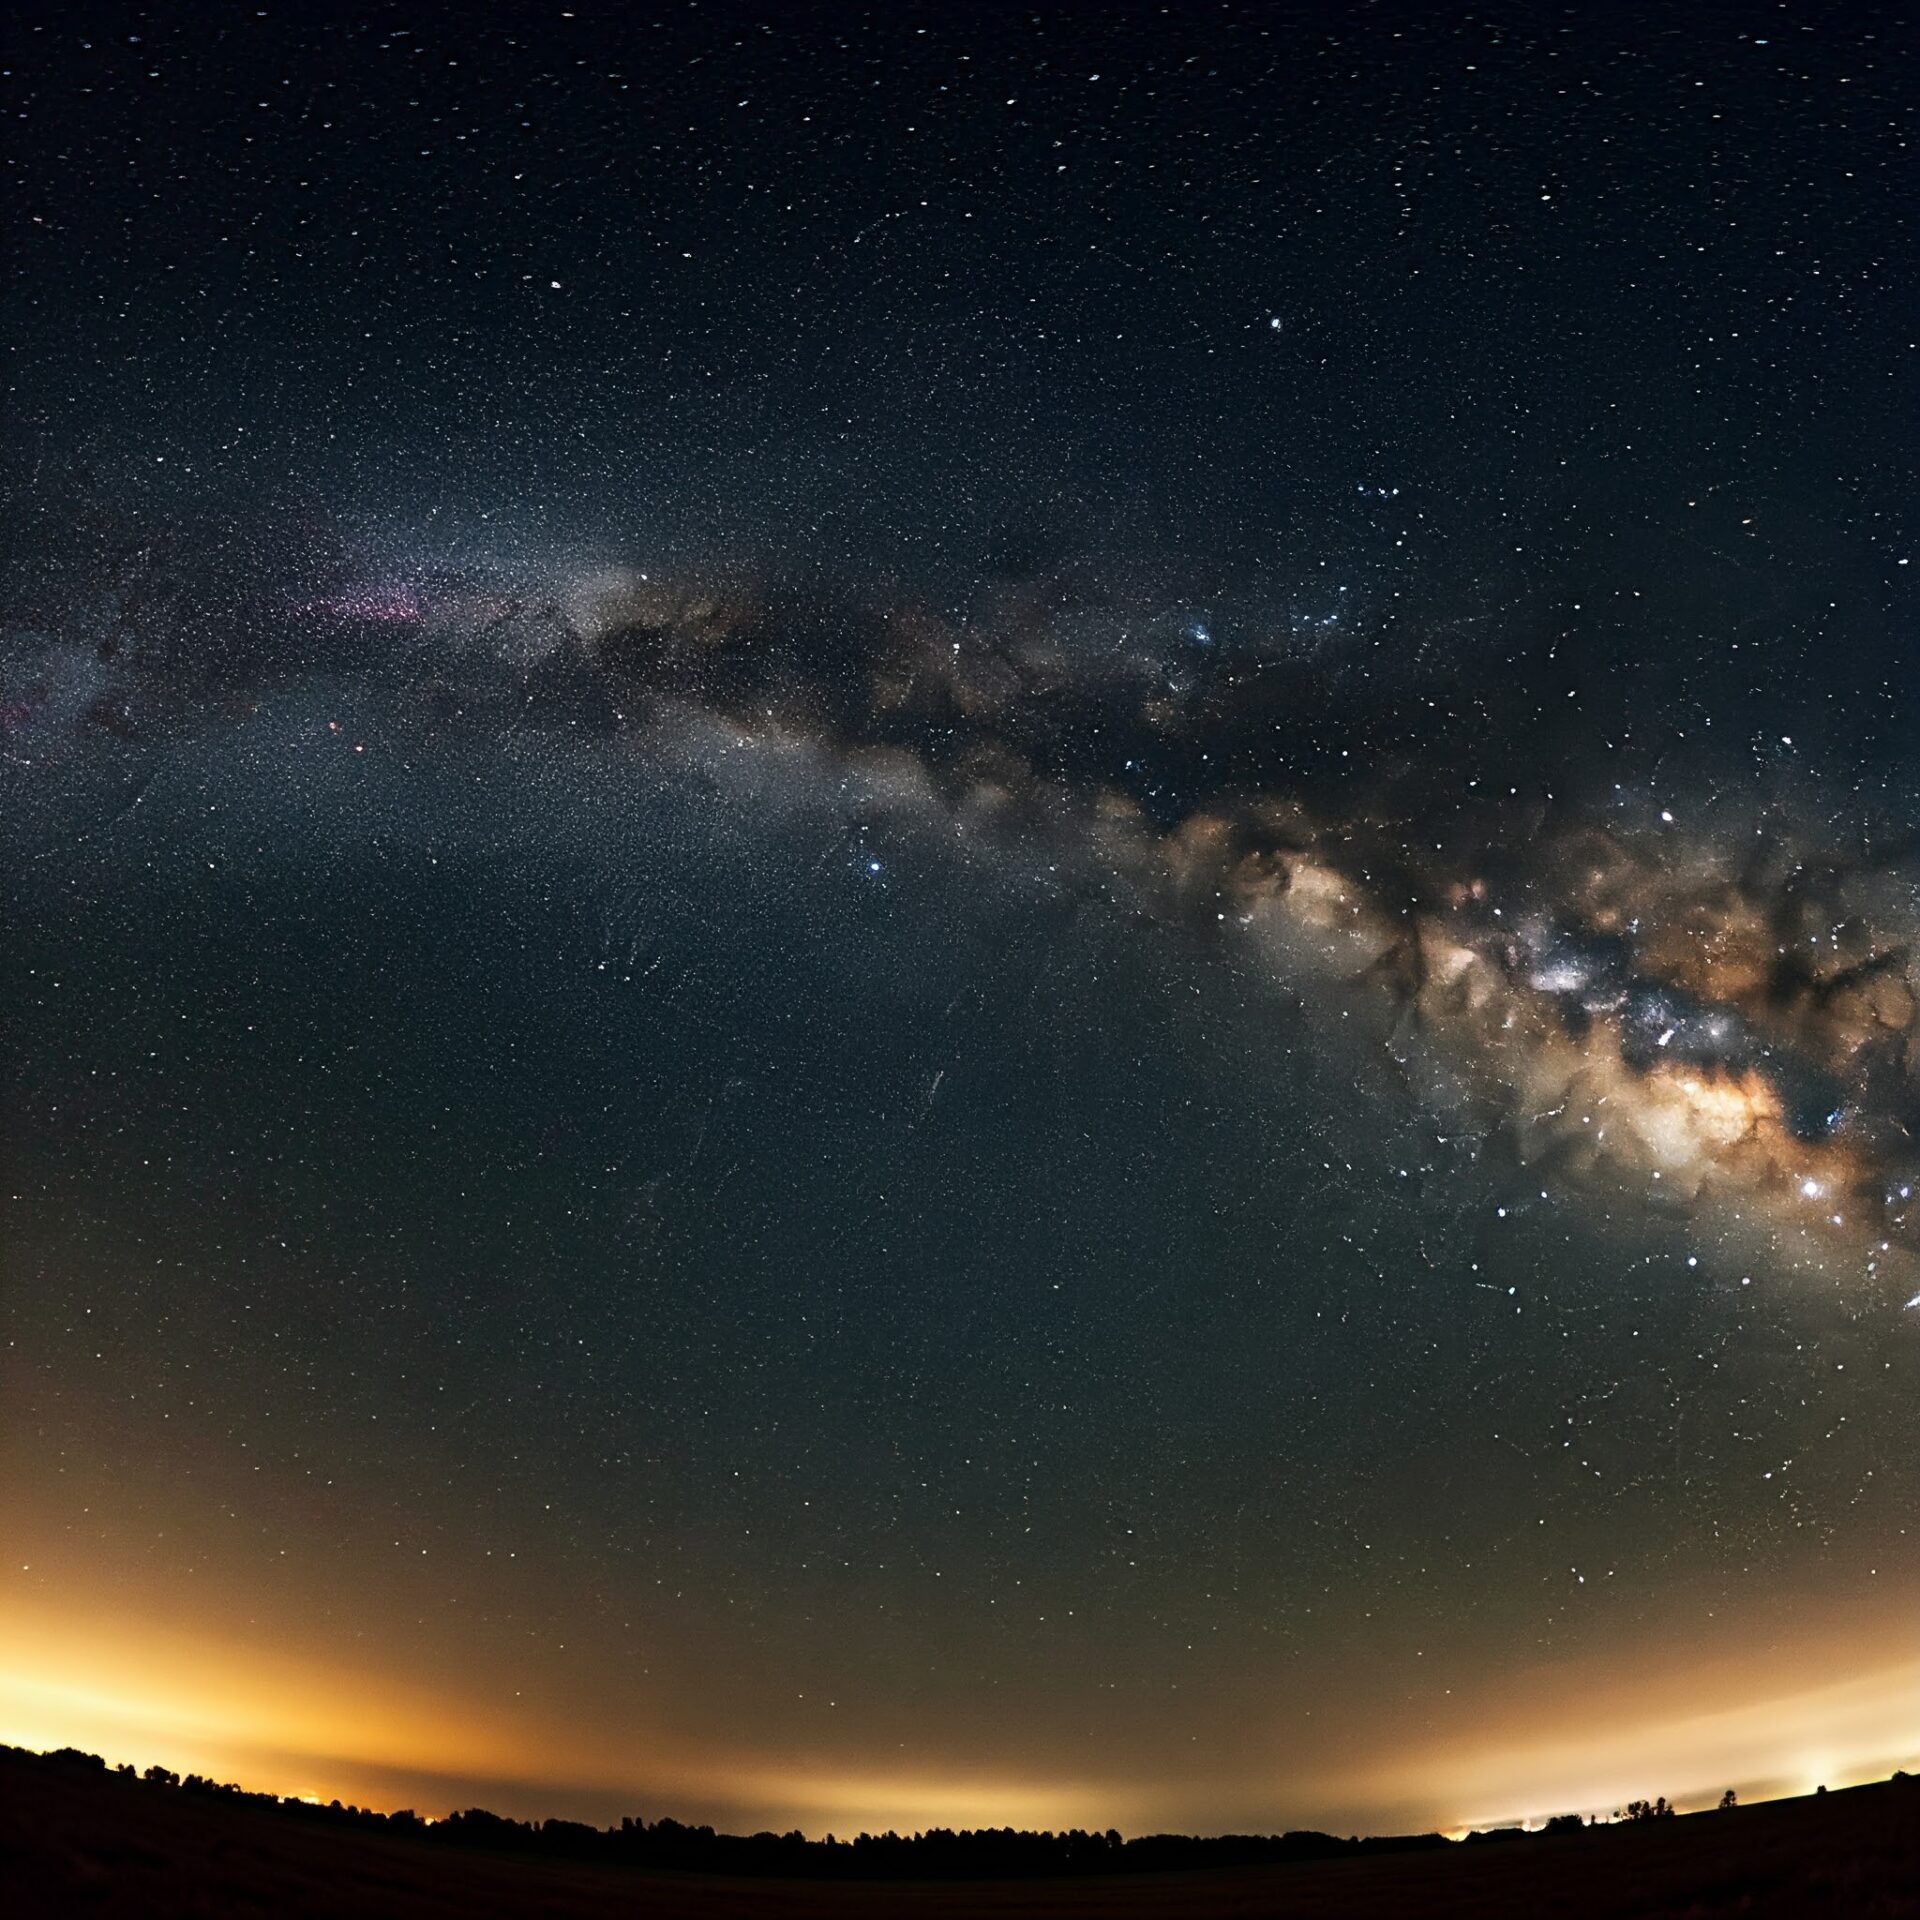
960	915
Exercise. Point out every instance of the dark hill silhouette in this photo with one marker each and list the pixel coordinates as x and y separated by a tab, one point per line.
937	1853
78	1837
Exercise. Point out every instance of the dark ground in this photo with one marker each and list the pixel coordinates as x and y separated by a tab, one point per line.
79	1844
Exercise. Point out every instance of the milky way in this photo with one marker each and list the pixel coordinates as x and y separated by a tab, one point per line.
1718	1005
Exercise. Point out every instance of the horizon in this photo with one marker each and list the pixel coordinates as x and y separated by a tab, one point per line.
934	915
1621	1815
1691	1783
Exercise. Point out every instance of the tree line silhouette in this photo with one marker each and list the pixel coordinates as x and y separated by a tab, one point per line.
937	1853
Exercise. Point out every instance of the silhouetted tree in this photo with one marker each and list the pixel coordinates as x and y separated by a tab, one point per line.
938	1853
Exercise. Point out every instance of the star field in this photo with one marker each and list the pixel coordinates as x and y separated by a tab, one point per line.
926	920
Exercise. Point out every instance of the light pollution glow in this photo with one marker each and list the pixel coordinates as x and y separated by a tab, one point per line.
1685	1727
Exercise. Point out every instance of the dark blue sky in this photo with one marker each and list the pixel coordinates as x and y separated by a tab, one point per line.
924	918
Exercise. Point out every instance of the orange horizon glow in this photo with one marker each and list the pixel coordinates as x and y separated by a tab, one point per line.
273	1724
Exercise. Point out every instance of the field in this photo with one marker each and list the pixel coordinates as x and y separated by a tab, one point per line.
75	1843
